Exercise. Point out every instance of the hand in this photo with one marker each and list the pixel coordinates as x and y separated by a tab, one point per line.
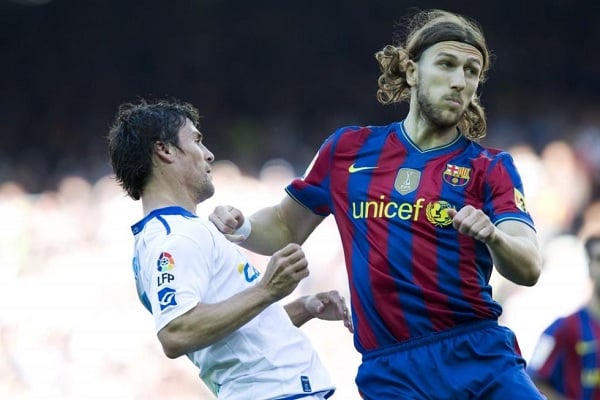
286	268
228	219
473	222
329	306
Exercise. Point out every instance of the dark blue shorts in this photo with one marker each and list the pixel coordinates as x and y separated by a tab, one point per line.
476	361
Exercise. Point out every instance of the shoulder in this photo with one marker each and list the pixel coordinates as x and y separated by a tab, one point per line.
489	154
354	135
489	158
195	230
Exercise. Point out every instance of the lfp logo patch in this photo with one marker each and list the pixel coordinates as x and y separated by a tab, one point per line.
165	262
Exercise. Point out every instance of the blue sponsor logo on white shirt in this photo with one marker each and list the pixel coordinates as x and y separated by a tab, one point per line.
166	298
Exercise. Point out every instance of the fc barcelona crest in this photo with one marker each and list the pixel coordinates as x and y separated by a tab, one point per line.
456	175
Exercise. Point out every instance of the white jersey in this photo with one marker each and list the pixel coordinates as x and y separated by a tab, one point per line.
180	261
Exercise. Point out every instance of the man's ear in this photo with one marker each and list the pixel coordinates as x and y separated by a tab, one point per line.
164	151
412	73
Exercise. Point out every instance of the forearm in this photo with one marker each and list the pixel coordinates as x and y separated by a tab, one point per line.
269	232
516	256
207	323
297	311
274	227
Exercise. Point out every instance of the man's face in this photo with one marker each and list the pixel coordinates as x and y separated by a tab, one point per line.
194	162
447	78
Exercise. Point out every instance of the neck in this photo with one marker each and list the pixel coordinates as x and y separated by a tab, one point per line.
424	134
159	196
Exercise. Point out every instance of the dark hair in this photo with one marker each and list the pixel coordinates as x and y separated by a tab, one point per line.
135	130
425	29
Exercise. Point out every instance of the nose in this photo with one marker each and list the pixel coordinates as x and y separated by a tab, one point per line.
209	156
458	81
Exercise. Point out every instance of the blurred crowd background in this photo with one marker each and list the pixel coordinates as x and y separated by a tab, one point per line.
272	79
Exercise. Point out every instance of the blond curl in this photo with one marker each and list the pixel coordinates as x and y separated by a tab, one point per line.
393	87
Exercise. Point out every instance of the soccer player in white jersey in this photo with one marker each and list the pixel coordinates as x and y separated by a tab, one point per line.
207	300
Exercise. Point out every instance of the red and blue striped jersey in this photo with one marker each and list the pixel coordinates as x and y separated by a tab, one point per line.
567	356
411	274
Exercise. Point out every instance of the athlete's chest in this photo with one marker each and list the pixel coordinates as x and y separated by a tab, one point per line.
406	178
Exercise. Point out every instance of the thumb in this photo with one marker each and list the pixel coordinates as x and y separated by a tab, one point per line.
319	306
451	212
313	304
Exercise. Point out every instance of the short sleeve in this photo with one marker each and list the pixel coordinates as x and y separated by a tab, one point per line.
180	277
505	196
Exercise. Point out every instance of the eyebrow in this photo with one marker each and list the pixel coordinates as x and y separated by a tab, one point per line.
471	59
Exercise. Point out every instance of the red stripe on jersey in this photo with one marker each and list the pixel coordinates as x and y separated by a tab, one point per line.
572	375
346	148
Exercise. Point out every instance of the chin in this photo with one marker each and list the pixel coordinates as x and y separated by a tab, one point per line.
209	193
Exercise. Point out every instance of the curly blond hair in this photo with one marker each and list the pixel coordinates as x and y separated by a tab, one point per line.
425	29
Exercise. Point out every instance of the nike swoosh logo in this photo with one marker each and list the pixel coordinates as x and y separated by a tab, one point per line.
352	169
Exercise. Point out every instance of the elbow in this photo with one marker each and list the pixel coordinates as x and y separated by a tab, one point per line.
523	277
172	350
170	354
532	276
531	279
535	272
172	345
175	346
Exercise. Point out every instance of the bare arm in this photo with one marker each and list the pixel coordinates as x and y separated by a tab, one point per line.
516	253
328	306
513	244
208	323
272	227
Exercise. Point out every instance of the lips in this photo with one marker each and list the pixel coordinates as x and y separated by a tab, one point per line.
456	100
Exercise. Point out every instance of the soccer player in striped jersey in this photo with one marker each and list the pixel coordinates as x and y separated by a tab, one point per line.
424	213
566	360
207	300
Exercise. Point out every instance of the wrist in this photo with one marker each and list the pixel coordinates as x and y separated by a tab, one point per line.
245	229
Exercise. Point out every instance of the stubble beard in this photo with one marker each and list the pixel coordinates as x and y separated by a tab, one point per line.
434	115
207	190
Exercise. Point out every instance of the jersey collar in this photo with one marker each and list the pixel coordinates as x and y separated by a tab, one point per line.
171	210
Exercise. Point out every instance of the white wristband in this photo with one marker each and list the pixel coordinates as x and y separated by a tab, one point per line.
245	229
